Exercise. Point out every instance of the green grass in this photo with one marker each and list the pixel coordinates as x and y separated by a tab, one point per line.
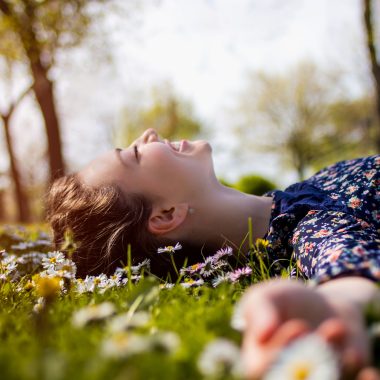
46	345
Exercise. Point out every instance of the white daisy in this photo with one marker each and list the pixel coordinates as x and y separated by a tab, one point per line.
127	321
224	277
192	283
39	306
170	248
237	320
114	280
307	358
123	344
220	357
144	265
223	252
52	259
91	313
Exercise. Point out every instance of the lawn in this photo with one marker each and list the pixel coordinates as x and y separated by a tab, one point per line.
127	326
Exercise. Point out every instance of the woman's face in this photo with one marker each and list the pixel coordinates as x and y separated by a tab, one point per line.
155	168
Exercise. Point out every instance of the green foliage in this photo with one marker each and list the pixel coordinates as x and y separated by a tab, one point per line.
300	116
31	30
44	342
171	116
225	182
254	184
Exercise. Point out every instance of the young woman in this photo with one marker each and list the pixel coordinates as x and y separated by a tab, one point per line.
157	193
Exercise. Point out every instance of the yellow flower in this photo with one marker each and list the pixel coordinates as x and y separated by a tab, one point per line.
28	286
48	287
262	244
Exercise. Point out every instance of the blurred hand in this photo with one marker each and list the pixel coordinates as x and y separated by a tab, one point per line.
279	311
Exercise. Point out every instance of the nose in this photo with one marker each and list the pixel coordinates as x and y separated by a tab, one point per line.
149	135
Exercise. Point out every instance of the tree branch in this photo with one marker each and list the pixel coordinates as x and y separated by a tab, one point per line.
370	40
13	105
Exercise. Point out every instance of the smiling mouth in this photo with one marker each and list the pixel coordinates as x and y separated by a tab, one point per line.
178	146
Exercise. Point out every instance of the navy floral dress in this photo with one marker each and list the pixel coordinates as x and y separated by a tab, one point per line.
329	224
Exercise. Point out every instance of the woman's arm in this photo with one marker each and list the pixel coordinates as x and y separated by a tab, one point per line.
279	311
356	290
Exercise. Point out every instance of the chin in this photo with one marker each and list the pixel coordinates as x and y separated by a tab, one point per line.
204	145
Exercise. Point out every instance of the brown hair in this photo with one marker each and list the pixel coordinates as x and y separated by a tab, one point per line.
103	222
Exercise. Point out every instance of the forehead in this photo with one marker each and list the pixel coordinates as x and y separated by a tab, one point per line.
105	169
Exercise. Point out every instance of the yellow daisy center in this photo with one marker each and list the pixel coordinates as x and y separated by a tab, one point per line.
301	371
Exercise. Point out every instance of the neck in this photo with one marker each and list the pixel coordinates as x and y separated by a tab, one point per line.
221	216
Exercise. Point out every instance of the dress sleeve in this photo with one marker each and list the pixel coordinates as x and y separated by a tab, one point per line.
331	244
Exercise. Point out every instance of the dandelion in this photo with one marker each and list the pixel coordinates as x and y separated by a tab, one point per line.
28	286
220	358
48	287
308	358
170	248
92	313
262	244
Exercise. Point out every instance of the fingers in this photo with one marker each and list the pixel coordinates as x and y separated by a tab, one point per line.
352	344
262	318
369	373
334	332
258	356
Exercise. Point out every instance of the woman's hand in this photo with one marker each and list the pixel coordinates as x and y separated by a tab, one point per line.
279	311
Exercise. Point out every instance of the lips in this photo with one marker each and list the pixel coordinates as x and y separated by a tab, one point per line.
178	146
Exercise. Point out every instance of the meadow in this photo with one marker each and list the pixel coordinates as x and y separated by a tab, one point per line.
130	325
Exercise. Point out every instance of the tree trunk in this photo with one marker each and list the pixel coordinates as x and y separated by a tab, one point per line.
21	198
375	66
2	207
44	92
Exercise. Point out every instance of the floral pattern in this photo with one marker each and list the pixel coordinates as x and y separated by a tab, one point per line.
329	224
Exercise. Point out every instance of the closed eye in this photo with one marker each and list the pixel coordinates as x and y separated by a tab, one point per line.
136	152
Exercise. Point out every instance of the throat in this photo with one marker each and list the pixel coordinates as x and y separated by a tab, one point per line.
228	215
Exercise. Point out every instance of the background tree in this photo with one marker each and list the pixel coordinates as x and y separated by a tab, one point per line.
304	117
22	204
369	22
354	128
288	114
33	32
172	117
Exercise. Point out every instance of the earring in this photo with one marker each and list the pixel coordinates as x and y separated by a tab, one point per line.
191	210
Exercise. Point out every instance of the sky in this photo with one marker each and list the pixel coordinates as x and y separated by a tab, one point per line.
205	49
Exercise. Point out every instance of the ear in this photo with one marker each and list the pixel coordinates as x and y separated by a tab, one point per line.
162	221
